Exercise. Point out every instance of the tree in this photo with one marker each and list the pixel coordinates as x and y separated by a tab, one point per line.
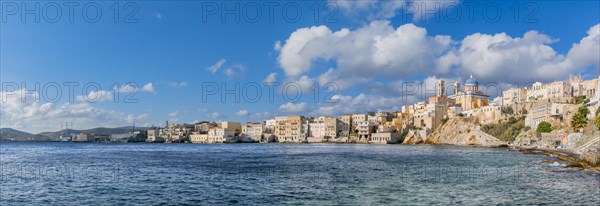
371	113
508	110
544	127
580	119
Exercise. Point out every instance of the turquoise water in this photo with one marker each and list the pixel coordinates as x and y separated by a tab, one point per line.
282	174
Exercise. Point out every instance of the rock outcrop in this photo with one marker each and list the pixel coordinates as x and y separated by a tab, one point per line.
463	131
415	137
591	156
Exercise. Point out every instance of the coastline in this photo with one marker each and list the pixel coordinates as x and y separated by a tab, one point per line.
562	155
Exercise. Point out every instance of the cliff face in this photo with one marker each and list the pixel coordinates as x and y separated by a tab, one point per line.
415	137
463	131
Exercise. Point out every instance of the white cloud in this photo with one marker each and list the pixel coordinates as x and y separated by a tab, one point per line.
377	49
215	115
178	84
361	103
215	67
96	96
229	72
277	45
262	115
501	57
236	69
149	87
293	108
242	113
587	51
272	77
173	114
34	116
128	88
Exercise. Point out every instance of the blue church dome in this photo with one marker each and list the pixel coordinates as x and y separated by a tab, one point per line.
471	81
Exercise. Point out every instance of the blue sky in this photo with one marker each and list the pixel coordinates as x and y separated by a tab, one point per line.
367	48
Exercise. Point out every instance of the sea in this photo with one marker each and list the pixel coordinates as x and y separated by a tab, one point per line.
65	173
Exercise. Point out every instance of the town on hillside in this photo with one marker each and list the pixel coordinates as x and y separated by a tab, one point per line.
546	114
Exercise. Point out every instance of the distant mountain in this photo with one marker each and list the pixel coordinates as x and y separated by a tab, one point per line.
99	130
16	135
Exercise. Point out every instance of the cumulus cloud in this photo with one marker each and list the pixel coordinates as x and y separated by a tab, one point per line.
96	96
129	88
587	51
178	84
361	103
34	116
272	77
173	114
378	50
215	67
149	87
292	108
215	115
242	113
262	115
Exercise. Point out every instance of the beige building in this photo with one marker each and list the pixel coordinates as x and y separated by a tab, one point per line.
594	100
356	118
203	127
381	117
430	117
291	129
587	88
514	96
385	138
345	124
486	114
545	112
559	91
235	126
324	127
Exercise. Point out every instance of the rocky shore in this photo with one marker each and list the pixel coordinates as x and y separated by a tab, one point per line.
467	132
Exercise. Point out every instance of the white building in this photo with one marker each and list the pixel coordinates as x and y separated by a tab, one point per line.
199	138
220	135
595	101
536	92
253	131
365	129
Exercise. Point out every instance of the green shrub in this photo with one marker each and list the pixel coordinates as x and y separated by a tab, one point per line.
544	127
580	119
507	130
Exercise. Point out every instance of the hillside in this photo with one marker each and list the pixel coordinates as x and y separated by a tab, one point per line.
99	130
16	135
463	131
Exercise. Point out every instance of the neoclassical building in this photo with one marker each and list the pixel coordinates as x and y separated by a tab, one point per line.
469	98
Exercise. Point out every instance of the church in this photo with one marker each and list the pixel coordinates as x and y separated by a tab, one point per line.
469	98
